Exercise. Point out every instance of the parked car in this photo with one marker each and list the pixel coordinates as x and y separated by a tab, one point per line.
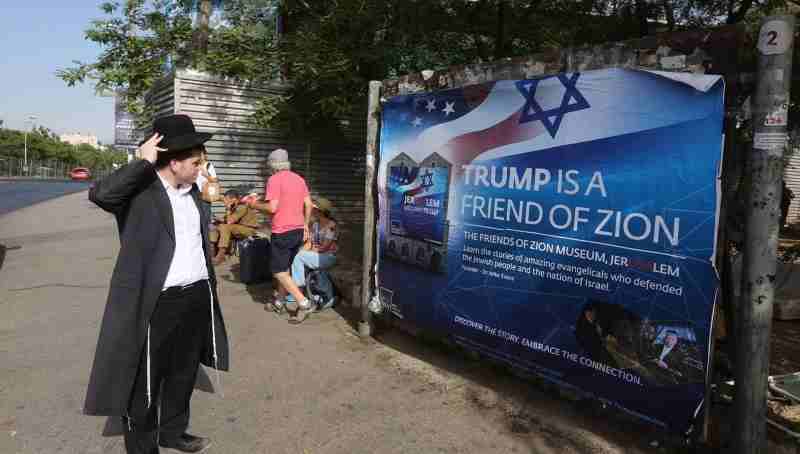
80	174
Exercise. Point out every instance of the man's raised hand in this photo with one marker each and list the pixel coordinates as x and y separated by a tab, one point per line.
150	149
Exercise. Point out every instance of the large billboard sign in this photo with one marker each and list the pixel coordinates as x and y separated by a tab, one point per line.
418	197
125	133
571	223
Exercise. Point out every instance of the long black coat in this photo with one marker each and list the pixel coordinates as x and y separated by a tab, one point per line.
138	199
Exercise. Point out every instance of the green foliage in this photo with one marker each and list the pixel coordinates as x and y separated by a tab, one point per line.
331	49
139	42
44	144
244	53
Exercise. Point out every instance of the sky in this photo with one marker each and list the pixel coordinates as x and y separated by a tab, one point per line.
38	37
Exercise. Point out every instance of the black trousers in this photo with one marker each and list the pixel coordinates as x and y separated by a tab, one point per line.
179	332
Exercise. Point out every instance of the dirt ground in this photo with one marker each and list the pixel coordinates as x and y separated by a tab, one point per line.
785	354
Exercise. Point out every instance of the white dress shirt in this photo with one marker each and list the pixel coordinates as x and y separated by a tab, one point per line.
189	262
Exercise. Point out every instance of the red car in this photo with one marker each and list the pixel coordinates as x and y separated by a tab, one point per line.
80	174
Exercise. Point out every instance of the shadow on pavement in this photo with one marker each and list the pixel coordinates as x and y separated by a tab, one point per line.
114	426
543	416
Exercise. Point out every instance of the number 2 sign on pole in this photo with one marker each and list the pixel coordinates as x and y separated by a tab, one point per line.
765	171
774	38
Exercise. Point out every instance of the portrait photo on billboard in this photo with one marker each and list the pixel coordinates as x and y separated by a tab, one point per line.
661	352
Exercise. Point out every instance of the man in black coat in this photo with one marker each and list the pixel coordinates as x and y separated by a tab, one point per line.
162	317
670	357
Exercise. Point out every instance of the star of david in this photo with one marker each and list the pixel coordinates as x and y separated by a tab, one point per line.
572	101
427	180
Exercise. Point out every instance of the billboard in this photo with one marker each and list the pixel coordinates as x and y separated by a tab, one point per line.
572	222
418	198
125	133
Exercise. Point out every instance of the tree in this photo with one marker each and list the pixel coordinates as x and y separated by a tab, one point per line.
332	49
44	145
201	32
329	50
143	39
139	42
202	29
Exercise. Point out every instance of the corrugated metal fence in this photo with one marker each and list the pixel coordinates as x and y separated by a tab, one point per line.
239	148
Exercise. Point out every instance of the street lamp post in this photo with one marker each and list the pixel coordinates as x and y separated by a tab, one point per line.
31	118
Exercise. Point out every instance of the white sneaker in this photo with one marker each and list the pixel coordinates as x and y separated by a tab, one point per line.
307	305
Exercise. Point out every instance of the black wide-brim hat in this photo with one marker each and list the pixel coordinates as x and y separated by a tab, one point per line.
179	133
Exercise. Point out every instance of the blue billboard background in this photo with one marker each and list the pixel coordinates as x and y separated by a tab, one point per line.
581	225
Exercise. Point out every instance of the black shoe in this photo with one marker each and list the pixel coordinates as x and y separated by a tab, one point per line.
186	443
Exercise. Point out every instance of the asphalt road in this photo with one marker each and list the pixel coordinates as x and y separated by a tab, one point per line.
16	194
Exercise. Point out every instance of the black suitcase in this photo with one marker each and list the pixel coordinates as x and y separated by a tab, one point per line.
253	260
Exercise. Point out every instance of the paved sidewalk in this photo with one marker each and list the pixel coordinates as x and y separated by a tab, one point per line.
313	388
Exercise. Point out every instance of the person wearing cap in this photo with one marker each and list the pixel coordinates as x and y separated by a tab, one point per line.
288	201
162	316
241	221
319	251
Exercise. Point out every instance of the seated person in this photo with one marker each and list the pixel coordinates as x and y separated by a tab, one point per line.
669	356
241	221
319	252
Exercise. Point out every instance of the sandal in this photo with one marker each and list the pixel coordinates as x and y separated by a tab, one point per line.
301	315
292	306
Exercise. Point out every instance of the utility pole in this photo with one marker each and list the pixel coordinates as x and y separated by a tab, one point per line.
764	167
32	119
25	155
370	230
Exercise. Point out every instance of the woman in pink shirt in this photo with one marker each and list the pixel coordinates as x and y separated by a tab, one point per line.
288	201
